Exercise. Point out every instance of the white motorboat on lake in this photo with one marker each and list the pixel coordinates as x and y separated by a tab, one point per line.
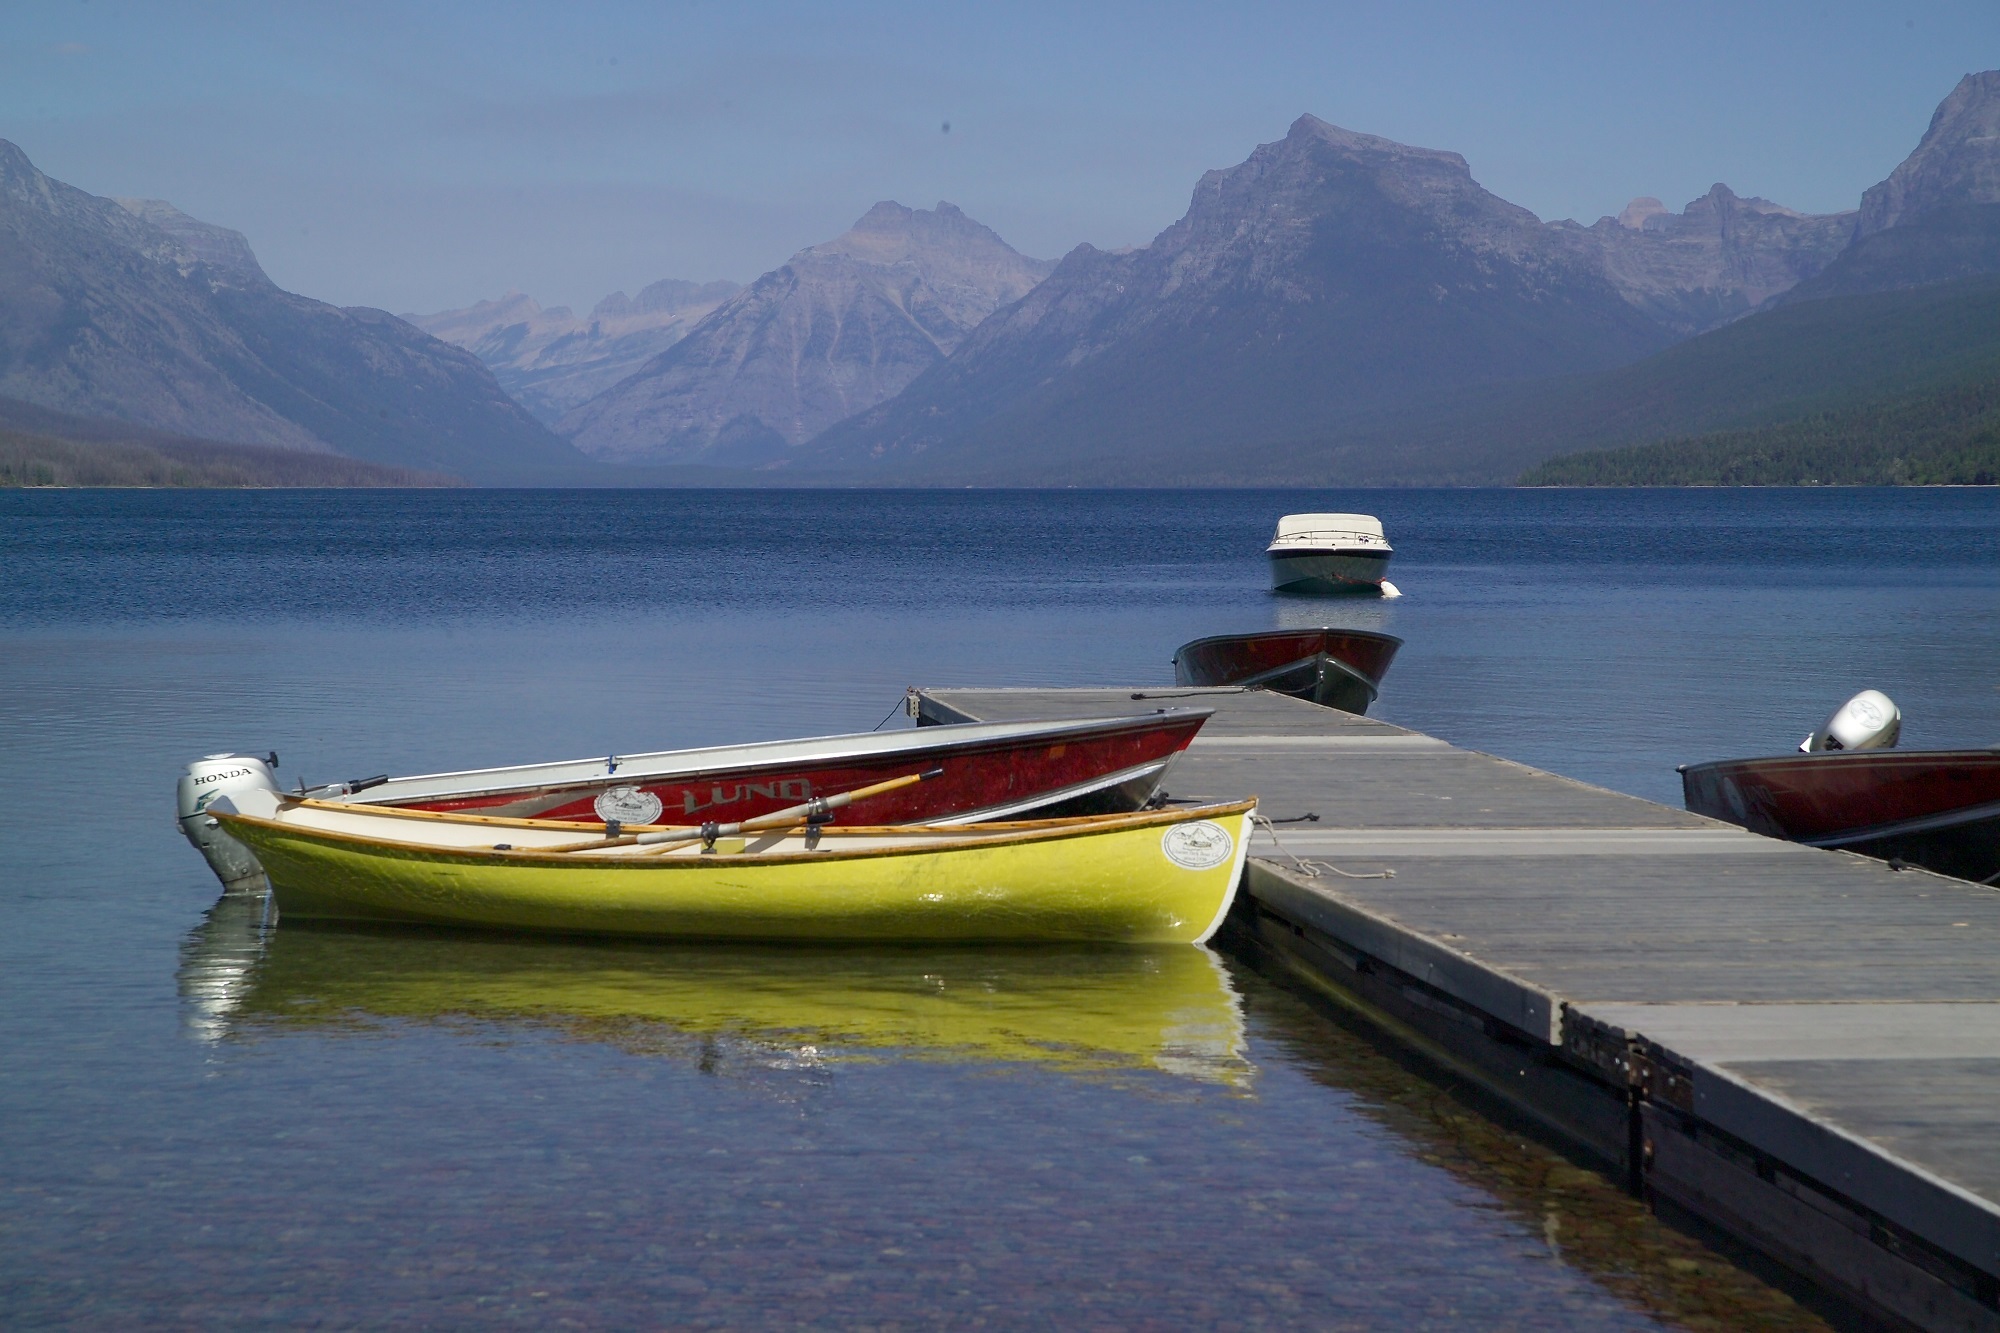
1341	553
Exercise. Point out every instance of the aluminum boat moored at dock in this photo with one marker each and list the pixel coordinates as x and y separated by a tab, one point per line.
989	771
1939	809
1851	790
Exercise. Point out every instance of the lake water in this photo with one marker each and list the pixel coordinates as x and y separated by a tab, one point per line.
208	1121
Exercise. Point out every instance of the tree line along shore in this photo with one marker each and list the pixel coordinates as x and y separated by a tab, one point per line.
1944	437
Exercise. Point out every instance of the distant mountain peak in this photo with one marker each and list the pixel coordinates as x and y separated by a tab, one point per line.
133	310
668	296
838	328
1756	204
551	360
1957	162
1321	182
1640	211
885	215
153	227
1309	128
1973	101
204	241
14	163
890	233
1322	279
1647	214
1716	260
1723	201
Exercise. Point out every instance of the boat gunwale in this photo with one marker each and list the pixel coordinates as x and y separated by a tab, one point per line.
1276	551
1987	753
1318	660
1274	633
1891	765
1012	833
699	761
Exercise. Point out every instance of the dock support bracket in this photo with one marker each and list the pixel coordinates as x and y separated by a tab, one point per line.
1647	1071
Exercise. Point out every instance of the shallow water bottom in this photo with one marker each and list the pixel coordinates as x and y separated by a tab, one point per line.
440	1128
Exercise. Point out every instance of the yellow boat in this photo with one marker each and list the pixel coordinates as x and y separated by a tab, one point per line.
761	1011
1151	877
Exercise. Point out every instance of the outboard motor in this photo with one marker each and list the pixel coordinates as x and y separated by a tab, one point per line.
252	787
1868	721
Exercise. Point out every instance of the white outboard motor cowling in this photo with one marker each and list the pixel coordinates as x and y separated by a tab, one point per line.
1868	721
252	788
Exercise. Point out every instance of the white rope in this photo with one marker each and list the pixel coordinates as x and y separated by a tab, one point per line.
1314	869
1351	874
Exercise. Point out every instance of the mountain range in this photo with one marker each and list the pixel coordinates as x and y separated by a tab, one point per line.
838	328
1718	259
553	360
131	309
1330	274
1345	309
1937	216
1337	309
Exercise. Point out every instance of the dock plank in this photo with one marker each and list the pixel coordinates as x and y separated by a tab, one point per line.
1932	1109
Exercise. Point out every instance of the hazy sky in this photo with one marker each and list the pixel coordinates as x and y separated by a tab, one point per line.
416	157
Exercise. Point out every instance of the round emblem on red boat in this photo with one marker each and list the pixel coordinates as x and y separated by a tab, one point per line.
627	805
1197	846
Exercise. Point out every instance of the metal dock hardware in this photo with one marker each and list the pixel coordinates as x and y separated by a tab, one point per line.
1646	1067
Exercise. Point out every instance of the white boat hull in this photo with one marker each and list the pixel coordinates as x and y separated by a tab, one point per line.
1329	571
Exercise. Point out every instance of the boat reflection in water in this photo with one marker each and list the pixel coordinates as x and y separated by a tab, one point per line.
219	958
1083	1010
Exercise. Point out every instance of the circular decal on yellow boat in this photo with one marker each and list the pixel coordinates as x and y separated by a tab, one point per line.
1197	846
627	805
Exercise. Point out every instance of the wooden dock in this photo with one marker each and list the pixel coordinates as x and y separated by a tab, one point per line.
1798	1046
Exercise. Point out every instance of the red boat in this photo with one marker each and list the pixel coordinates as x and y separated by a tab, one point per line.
991	771
1341	668
1939	809
986	770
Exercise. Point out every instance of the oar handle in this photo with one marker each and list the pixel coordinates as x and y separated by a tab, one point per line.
814	811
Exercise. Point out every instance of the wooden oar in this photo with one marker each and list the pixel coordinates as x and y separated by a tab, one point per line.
812	812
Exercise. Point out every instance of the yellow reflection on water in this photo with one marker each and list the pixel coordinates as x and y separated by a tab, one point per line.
1170	1009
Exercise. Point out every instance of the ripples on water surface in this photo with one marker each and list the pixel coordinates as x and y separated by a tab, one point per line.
206	1121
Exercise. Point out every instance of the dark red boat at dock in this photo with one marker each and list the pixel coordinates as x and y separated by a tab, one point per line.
1340	668
991	771
976	772
1939	809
